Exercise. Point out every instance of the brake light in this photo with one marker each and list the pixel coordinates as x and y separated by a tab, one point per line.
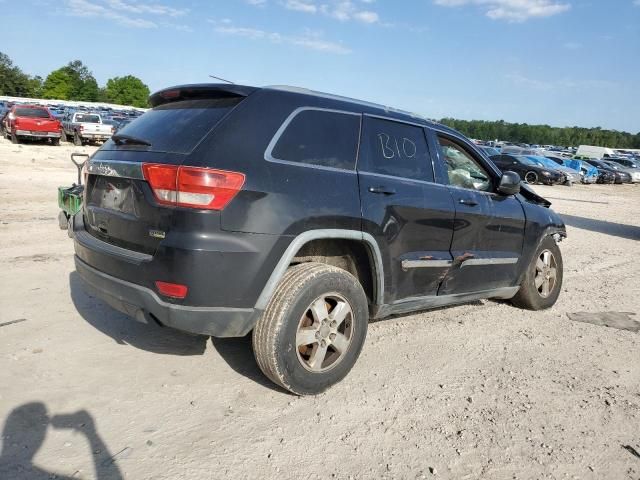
192	187
173	290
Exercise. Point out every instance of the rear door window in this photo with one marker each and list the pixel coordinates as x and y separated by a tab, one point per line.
396	149
177	127
323	138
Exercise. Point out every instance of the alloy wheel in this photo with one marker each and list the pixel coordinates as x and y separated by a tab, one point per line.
546	274
324	333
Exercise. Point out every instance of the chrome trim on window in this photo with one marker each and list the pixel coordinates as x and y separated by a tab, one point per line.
115	168
473	262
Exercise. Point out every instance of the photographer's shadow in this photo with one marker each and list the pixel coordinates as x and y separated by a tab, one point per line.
124	330
24	433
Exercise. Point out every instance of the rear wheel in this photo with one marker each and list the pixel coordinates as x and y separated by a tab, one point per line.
77	139
542	282
55	142
531	178
63	136
313	329
14	138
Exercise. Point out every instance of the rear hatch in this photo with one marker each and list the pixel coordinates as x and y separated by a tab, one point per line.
35	120
121	208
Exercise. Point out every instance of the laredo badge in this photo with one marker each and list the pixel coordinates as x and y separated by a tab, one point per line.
157	233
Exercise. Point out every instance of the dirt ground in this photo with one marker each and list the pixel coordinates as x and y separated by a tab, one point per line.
477	391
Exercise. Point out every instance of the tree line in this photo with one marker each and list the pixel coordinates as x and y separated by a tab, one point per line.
543	134
73	81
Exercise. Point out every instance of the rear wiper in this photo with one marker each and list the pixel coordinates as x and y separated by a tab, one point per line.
121	139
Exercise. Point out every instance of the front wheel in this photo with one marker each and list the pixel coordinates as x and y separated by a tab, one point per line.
542	281
531	178
313	329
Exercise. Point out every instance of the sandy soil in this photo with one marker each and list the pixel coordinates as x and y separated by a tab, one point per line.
477	391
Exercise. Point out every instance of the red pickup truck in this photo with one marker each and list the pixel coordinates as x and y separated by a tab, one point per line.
31	121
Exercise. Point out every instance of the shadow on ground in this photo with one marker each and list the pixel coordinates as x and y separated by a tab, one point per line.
126	331
236	352
25	430
630	232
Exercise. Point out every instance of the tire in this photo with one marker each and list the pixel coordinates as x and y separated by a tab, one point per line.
532	294
289	315
14	138
55	142
63	136
531	178
77	139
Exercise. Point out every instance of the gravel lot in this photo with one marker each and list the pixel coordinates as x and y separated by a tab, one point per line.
477	391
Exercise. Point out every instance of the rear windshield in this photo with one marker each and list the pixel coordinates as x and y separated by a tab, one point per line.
32	112
178	127
87	118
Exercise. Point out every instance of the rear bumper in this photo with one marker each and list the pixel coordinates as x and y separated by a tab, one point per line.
144	305
36	134
95	136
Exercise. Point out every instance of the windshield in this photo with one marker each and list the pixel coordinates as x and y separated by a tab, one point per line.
177	127
32	112
87	118
491	151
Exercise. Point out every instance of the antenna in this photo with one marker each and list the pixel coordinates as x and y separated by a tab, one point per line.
218	78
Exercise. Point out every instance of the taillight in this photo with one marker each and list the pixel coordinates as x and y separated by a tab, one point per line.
173	290
81	128
192	187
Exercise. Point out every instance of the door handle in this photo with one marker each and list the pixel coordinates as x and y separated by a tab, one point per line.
382	190
469	203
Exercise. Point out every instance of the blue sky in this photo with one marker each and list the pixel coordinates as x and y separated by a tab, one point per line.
560	62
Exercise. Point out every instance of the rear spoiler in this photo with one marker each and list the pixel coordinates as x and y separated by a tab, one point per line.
199	91
527	192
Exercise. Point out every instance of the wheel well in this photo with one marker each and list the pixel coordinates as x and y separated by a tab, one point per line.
350	255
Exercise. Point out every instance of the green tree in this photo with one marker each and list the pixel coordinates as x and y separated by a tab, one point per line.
58	85
84	86
128	90
13	81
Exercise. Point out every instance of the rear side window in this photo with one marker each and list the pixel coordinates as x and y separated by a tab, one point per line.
319	137
396	149
87	118
178	127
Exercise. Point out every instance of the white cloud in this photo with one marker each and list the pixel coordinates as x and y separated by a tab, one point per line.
125	13
572	45
565	83
309	40
306	6
512	10
342	10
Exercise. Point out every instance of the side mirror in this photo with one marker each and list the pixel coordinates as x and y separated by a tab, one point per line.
509	183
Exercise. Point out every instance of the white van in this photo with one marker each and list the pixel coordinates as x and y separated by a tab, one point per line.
595	152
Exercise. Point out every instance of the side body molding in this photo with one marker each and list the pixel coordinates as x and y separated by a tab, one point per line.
310	235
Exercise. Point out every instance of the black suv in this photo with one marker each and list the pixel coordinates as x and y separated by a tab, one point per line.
299	216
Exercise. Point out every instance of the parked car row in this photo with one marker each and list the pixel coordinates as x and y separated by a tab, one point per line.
78	125
537	166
